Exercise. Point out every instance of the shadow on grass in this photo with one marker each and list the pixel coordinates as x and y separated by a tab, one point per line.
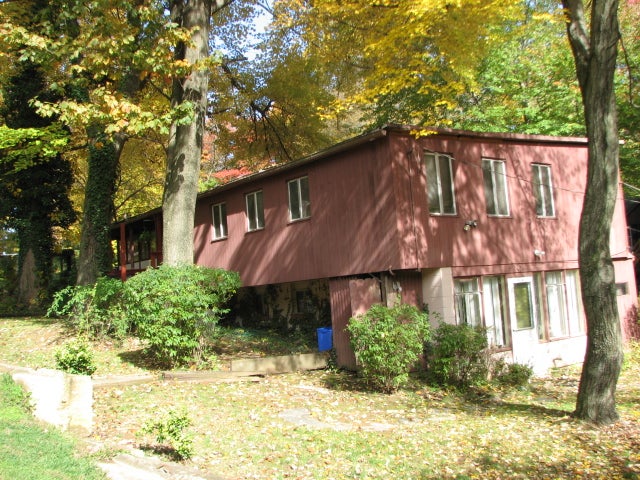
40	321
490	464
238	342
530	409
142	359
163	451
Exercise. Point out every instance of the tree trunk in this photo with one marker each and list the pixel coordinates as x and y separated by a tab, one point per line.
595	57
96	255
186	139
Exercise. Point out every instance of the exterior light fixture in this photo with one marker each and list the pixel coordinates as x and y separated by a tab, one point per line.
469	224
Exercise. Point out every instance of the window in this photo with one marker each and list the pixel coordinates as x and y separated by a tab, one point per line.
557	305
495	187
574	302
299	204
219	212
471	303
622	289
543	190
467	297
494	317
440	184
255	211
523	303
304	302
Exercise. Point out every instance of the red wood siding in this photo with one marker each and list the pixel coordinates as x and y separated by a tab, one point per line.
369	213
340	315
505	244
352	228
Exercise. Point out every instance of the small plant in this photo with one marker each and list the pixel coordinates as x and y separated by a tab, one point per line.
388	342
170	431
458	355
176	307
75	357
513	374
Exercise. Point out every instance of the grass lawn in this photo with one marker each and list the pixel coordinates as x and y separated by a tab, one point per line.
241	430
31	451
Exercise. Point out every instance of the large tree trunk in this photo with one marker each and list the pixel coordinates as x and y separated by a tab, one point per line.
185	141
595	57
96	255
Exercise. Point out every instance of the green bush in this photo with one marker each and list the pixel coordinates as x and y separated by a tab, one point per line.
512	374
170	430
94	310
75	357
176	307
457	355
388	342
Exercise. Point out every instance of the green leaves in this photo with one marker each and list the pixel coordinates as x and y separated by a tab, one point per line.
175	307
21	148
387	342
170	429
457	355
76	358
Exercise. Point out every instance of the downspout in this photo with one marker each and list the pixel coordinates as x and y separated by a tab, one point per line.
413	211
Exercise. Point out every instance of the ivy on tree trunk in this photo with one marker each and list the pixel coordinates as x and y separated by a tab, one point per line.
95	256
595	52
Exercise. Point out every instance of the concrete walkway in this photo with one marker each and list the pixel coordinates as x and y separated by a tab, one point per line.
137	466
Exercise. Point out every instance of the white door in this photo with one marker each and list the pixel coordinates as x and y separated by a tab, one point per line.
524	324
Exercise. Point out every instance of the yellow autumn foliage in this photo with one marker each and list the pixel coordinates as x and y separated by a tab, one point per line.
386	47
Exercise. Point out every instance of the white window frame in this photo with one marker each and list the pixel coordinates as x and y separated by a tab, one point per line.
468	301
220	231
496	191
254	210
557	311
436	187
574	303
296	192
495	318
543	191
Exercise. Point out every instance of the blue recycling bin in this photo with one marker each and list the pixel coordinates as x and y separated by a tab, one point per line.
325	339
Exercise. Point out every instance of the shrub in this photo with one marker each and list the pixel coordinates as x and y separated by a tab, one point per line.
388	342
175	307
512	374
170	430
94	310
75	357
457	355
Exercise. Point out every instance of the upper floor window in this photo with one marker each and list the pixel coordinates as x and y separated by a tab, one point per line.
219	212
299	204
495	187
543	190
440	191
255	211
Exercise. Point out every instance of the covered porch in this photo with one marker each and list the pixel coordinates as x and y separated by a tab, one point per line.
137	242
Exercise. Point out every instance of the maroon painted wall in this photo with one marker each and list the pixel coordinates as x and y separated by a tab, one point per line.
351	229
369	213
500	244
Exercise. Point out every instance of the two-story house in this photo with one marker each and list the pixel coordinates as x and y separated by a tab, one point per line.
481	228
